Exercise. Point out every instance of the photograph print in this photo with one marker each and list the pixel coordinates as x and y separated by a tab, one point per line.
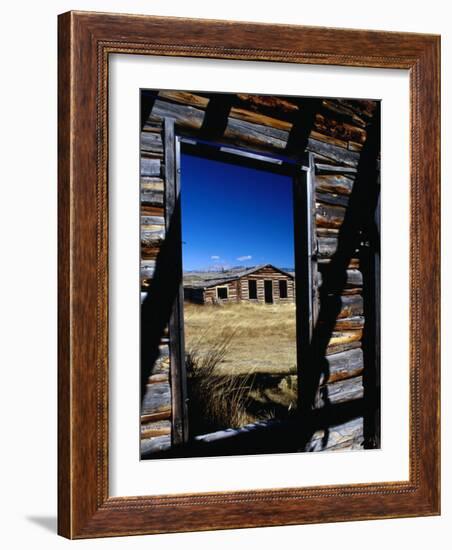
259	274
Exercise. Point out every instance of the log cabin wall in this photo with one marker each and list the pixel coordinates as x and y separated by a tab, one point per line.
211	294
238	288
156	407
335	132
268	274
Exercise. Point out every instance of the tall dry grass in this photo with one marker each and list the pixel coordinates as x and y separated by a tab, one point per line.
239	359
217	401
264	335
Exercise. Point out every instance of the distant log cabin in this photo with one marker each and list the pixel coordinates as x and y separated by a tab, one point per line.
264	284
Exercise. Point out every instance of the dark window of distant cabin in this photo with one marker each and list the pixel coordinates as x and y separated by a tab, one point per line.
222	293
283	289
252	289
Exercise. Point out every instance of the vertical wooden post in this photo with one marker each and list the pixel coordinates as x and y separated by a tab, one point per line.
370	260
306	294
179	417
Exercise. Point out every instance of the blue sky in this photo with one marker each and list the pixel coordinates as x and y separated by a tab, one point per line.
232	215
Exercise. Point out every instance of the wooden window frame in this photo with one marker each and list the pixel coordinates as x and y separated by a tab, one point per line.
301	172
85	506
254	281
227	292
283	283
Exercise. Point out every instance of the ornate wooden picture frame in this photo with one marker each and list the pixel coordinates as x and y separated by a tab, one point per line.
85	508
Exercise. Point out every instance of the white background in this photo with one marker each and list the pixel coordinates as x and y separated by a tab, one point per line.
28	275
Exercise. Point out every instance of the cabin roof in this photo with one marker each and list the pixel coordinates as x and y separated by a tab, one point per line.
209	283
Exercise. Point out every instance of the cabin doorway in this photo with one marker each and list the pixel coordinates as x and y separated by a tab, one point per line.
240	357
268	292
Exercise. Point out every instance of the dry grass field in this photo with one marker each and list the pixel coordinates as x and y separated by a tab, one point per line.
241	363
262	337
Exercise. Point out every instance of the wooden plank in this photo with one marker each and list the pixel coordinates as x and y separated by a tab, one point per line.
154	417
329	216
353	146
333	183
184	115
152	197
158	378
347	435
186	98
154	445
333	168
256	136
363	108
176	323
152	220
155	429
151	142
147	269
157	398
149	210
327	232
152	183
259	118
370	258
345	336
350	323
328	139
338	348
150	167
334	127
278	107
333	152
332	198
341	392
353	279
343	365
307	303
152	238
327	246
351	306
343	110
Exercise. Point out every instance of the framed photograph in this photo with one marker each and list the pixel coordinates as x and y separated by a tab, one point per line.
248	275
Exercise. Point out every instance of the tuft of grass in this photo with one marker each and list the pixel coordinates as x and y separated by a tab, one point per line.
217	401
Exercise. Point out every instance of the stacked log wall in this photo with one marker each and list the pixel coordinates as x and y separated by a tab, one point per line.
156	407
335	137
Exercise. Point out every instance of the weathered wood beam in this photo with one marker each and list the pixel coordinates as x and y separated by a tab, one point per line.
337	154
329	215
342	391
324	167
186	98
339	129
343	365
332	198
155	429
331	350
354	278
157	398
338	184
150	167
154	445
347	435
278	107
258	118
